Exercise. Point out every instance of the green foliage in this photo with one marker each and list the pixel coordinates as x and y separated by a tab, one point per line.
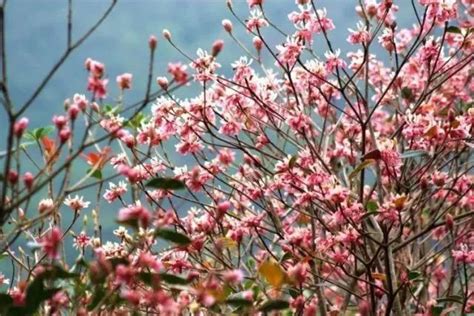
166	184
173	236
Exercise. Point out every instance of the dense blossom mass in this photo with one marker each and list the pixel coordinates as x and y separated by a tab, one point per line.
311	181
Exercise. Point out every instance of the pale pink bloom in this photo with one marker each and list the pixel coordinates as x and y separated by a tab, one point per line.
252	3
463	255
290	51
45	205
178	71
233	276
95	68
361	36
226	156
124	81
135	212
50	242
81	240
115	191
256	21
321	22
98	87
81	101
298	272
77	203
3	280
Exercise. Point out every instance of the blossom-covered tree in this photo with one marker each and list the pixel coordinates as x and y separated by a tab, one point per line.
311	182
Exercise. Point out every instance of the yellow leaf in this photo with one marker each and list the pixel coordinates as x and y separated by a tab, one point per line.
272	272
226	242
379	276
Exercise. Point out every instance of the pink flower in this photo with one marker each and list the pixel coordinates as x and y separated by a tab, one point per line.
135	212
95	68
256	21
124	81
290	51
178	71
226	156
60	121
115	191
162	82
20	126
252	3
152	42
233	276
227	25
28	179
50	242
98	87
463	255
77	203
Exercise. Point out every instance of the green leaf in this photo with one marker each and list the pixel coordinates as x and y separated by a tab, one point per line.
116	261
54	272
436	310
413	154
136	122
292	162
372	206
39	133
166	184
449	299
374	154
407	93
360	167
36	293
274	305
99	294
237	300
96	174
132	223
173	279
5	302
110	109
453	29
173	236
412	275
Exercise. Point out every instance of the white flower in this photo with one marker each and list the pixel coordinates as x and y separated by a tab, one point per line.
45	205
77	203
3	280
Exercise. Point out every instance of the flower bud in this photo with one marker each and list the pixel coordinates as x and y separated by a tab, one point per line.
152	42
20	127
227	25
217	47
257	43
12	176
162	82
60	121
95	107
449	221
28	180
167	34
73	111
64	134
124	81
